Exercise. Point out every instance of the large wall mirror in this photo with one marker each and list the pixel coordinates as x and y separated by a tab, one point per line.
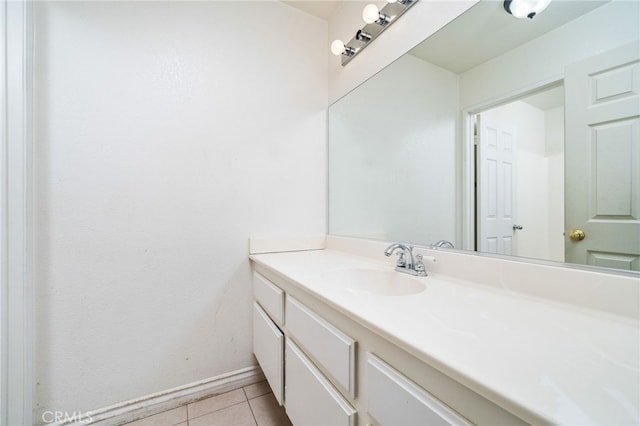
506	136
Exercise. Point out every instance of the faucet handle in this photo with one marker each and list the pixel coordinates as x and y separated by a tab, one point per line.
402	260
419	266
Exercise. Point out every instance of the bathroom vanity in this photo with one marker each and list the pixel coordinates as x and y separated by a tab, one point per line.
343	339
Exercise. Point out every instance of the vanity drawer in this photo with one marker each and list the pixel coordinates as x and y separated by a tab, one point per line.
329	347
270	297
310	399
268	347
395	400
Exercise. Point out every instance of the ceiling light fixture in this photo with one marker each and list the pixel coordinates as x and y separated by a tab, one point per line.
525	8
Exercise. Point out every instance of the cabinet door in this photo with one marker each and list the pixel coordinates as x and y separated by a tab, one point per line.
268	346
310	397
329	347
395	400
269	297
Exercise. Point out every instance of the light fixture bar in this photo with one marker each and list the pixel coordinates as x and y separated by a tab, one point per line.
391	12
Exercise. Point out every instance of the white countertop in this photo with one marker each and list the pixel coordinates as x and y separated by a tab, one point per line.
542	360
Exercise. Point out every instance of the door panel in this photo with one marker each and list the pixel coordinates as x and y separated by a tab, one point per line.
496	175
602	189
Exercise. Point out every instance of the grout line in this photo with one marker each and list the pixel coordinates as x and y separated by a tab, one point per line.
220	409
186	420
252	413
258	396
186	410
215	411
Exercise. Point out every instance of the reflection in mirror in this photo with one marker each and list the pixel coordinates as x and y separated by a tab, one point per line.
392	156
519	159
411	150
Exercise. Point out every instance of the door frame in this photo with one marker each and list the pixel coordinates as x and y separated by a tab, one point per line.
16	214
468	200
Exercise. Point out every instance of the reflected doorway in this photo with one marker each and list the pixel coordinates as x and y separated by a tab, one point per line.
519	177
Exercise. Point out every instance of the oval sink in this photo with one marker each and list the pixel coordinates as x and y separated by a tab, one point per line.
376	281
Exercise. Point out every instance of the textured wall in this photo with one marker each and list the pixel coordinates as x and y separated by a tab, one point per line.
166	134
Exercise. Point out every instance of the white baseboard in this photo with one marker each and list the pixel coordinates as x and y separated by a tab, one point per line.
149	405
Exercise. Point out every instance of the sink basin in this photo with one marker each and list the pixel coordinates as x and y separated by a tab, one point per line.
376	281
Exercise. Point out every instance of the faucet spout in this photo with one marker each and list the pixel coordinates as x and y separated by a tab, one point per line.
396	246
406	263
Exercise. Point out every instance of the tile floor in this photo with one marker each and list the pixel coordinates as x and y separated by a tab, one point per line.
252	405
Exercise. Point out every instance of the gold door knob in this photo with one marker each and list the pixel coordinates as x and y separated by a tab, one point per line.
577	235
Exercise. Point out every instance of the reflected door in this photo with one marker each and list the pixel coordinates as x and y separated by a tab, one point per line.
496	187
602	160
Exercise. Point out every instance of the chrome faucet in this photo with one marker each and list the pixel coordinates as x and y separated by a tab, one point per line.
406	263
442	244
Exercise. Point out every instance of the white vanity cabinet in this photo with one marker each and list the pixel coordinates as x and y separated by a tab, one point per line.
309	396
327	369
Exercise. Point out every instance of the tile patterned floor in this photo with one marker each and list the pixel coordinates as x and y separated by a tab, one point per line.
252	405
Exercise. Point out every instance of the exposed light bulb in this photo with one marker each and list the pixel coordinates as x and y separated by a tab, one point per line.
391	1
337	47
525	8
370	13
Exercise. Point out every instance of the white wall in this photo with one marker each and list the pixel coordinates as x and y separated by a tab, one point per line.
424	19
166	134
392	147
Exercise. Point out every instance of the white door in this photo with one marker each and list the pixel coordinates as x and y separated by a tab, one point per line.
602	159
496	184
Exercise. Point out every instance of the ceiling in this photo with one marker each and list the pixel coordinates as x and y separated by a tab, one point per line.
322	9
546	100
487	30
456	46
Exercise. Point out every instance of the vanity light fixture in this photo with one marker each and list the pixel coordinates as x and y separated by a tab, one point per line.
376	22
525	8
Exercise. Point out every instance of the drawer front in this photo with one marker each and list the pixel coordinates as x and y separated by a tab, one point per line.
270	297
395	400
331	348
310	399
268	347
